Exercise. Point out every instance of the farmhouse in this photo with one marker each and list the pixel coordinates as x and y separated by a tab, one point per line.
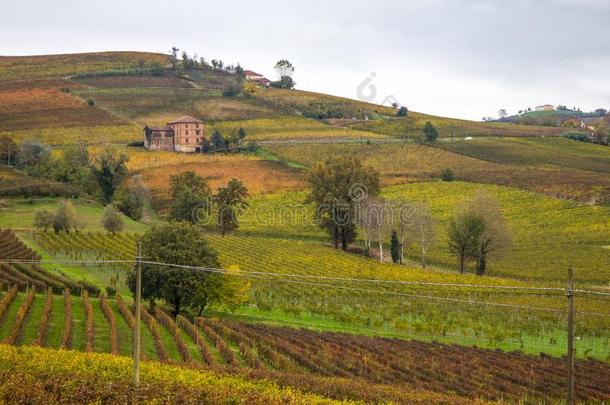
185	134
545	107
257	78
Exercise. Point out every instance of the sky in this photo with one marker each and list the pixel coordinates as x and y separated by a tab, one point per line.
456	58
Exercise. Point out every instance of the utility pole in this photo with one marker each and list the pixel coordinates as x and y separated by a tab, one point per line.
136	332
570	295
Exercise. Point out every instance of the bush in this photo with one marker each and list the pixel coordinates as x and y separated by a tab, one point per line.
577	136
91	102
136	144
233	89
447	175
402	112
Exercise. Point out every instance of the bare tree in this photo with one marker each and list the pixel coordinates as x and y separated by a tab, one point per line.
502	113
495	239
404	212
363	220
424	227
379	220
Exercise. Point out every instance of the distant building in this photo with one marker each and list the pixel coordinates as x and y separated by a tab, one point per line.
545	107
257	78
185	134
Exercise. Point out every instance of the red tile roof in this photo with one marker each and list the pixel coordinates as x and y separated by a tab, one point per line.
186	119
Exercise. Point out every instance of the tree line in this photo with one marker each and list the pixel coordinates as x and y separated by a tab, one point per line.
347	198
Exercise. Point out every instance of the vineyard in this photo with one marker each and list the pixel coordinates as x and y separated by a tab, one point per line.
31	275
287	288
513	163
336	365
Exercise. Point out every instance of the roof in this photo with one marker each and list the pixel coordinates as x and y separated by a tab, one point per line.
545	105
166	129
251	73
186	119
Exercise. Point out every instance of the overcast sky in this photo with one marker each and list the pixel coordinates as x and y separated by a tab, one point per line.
458	58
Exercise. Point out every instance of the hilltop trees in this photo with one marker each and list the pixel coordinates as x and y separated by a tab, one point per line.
402	111
337	185
284	70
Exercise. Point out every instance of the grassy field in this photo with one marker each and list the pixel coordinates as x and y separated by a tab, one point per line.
93	135
18	214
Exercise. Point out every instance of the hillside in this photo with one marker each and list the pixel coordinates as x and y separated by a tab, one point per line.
312	324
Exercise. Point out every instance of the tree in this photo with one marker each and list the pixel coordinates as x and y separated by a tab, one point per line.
430	132
337	185
601	112
234	88
131	198
502	113
286	82
65	217
424	229
447	175
465	229
173	57
402	112
33	155
8	150
192	197
229	200
109	170
182	244
404	212
395	250
111	220
188	180
218	141
495	239
601	133
284	68
43	219
379	221
73	166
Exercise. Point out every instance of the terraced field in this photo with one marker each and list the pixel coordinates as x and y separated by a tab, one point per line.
335	365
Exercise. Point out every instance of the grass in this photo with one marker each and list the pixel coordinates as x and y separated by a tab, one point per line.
79	326
124	333
18	214
56	323
6	324
101	327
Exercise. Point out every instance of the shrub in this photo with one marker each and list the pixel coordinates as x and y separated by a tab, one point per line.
447	175
91	102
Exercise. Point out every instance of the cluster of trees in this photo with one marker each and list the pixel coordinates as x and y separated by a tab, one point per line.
430	132
64	219
220	143
190	63
194	201
284	70
346	195
103	176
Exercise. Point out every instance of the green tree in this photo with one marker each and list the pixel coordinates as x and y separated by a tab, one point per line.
73	166
430	132
447	175
182	244
109	170
284	68
111	220
43	219
131	198
336	186
229	201
465	229
395	250
402	112
192	197
218	141
65	217
35	158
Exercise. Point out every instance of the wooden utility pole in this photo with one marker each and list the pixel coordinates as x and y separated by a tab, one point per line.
570	294
136	332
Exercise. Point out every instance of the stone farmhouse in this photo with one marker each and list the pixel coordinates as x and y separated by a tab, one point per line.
257	78
185	134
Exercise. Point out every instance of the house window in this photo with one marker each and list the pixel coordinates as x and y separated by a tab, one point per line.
187	140
187	132
186	126
198	132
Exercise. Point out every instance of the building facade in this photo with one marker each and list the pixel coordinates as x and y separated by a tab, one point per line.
186	134
545	107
